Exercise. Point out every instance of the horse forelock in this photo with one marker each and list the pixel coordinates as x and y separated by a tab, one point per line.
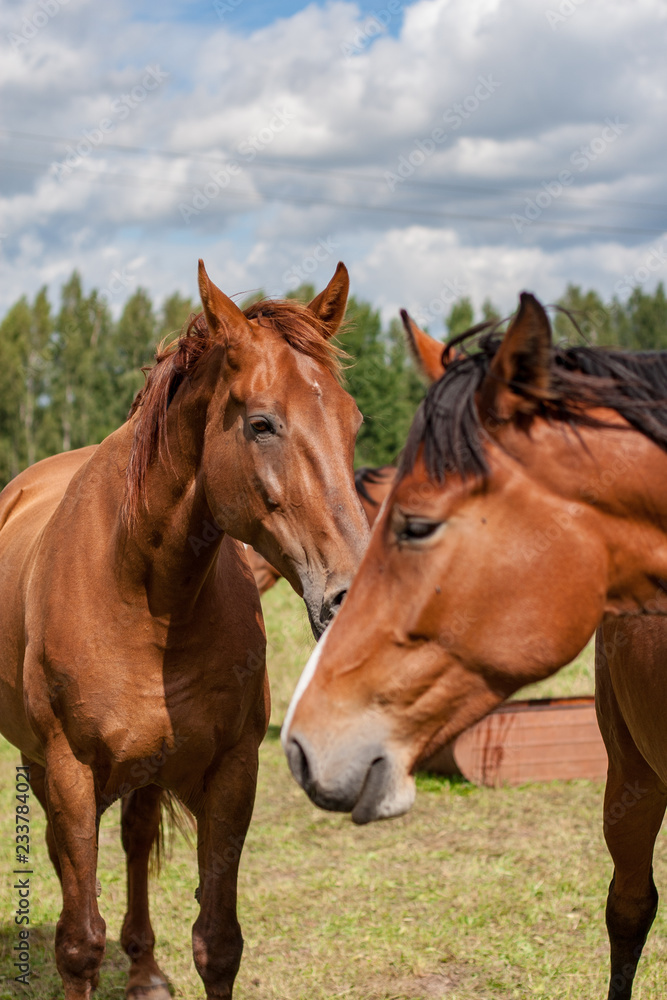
177	360
451	435
302	329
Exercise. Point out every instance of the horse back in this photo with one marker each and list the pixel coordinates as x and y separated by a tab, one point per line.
40	488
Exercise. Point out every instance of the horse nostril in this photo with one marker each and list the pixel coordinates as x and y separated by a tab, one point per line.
331	606
298	762
338	600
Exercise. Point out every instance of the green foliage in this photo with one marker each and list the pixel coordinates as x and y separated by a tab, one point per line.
132	344
250	300
641	324
80	388
67	380
489	312
14	339
382	380
461	317
175	313
304	293
589	313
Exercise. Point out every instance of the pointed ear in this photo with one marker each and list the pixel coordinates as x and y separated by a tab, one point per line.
329	305
426	351
519	376
222	315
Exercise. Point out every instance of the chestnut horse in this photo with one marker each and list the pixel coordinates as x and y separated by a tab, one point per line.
266	575
372	485
132	649
530	506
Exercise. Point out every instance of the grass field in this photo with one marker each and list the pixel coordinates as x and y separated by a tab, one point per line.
474	894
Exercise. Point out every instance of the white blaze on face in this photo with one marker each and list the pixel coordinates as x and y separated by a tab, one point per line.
304	681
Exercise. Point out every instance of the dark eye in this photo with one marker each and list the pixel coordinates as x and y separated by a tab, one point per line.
261	425
415	529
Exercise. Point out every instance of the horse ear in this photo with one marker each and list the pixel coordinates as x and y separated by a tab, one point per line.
221	313
519	378
426	351
329	306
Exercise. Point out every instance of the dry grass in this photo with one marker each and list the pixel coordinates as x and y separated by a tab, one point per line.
475	894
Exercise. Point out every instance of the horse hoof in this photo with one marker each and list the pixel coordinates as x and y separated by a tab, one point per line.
198	894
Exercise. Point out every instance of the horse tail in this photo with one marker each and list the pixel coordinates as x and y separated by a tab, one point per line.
174	817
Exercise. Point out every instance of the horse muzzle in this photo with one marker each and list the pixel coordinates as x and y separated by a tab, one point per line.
323	605
365	780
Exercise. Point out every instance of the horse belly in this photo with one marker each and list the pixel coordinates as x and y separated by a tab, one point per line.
636	651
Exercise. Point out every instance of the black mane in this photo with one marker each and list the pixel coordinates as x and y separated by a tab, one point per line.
367	474
452	432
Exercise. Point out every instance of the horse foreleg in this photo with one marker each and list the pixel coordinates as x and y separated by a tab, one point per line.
37	778
140	826
222	822
633	898
80	931
634	806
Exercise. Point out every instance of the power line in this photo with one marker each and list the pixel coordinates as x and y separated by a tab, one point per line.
297	167
129	180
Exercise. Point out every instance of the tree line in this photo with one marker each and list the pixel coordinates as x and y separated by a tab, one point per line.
68	376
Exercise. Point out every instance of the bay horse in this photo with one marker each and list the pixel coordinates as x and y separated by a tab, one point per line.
372	485
132	648
530	506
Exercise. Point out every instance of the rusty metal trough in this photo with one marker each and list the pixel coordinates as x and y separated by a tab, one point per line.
544	739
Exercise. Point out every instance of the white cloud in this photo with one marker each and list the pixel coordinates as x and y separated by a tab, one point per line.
314	129
435	268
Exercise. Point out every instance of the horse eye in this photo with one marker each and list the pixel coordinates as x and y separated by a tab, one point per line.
415	530
261	425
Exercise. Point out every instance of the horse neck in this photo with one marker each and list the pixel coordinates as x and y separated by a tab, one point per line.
173	540
615	483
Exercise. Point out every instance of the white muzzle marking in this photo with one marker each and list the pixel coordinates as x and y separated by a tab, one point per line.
304	681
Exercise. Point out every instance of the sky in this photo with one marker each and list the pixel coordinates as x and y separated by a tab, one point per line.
439	148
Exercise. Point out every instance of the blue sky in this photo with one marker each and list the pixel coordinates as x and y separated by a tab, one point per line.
247	15
439	147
